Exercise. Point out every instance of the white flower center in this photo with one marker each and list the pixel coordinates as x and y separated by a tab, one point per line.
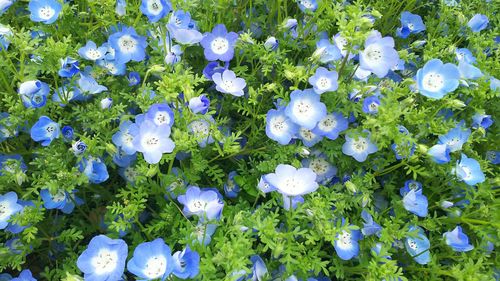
161	117
319	166
374	53
155	7
105	261
196	206
200	128
359	145
4	210
327	124
323	83
292	184
306	134
127	139
278	125
411	26
219	45
59	196
93	54
127	44
345	239
412	244
433	81
302	109
150	142
130	173
50	129
155	267
373	107
467	172
46	12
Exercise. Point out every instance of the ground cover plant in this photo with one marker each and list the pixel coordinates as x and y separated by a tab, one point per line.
249	140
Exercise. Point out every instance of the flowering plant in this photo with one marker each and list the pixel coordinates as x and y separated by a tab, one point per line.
249	140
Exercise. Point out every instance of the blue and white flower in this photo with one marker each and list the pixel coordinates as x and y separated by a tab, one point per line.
370	227
186	263
94	169
219	44
457	240
199	104
183	29
326	52
324	80
305	108
161	114
45	131
359	148
104	259
436	79
410	24
46	11
151	261
321	167
206	204
91	52
201	130
155	10
8	207
228	83
418	247
379	55
292	182
346	244
371	104
153	141
34	93
128	46
478	22
469	171
279	127
331	125
415	202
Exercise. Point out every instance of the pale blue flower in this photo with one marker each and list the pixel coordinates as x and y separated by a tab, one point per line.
228	83
436	79
457	240
290	181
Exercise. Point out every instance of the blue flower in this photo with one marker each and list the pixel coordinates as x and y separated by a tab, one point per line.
259	269
324	80
34	93
346	244
410	24
478	22
5	5
279	127
379	55
45	11
203	203
5	33
469	170
212	68
25	275
199	104
468	71
104	259
481	120
18	228
44	130
371	104
203	233
231	188
463	54
219	45
326	51
290	181
151	261
201	130
123	159
161	114
228	83
186	263
493	157
436	79
174	54
415	202
69	67
68	133
6	128
113	67
8	207
458	240
91	52
128	45
121	7
62	200
321	167
134	78
155	10
88	85
271	44
418	247
264	186
124	138
94	169
403	150
308	137
455	138
183	29
331	125
153	140
370	227
305	108
410	185
359	148
307	5
494	84
440	153
79	147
